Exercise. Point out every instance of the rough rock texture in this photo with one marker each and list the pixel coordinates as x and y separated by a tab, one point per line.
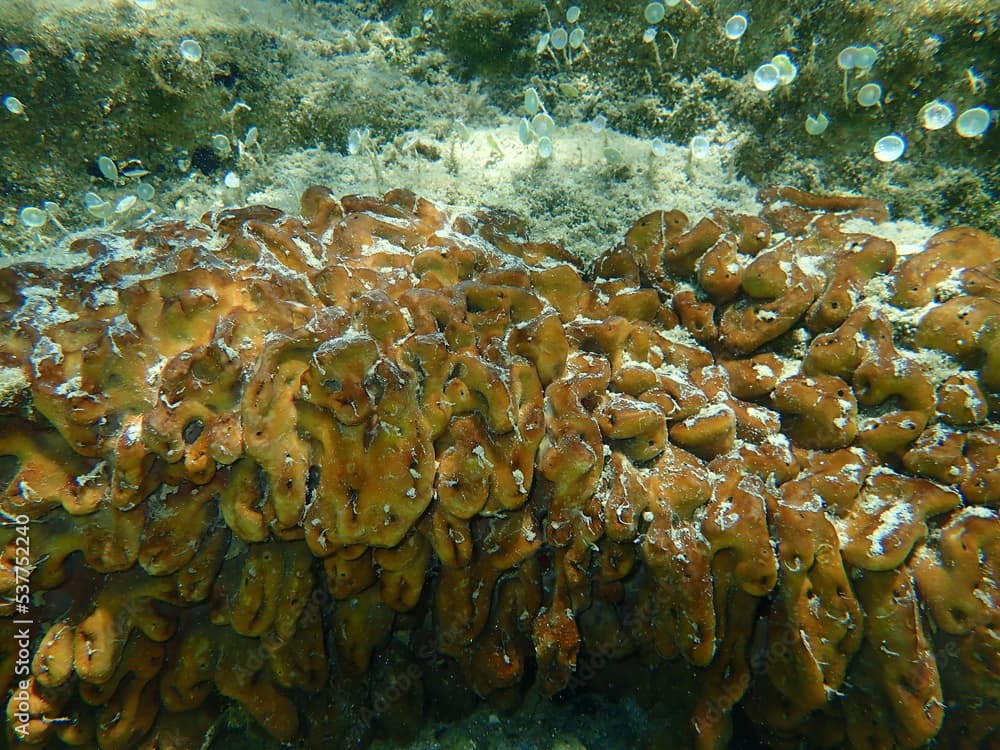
339	466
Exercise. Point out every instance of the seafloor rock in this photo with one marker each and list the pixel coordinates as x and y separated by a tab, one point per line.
335	466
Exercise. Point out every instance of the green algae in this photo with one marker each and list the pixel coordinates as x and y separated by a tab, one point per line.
107	78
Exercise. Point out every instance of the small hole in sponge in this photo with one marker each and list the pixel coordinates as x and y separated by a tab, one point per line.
9	468
192	430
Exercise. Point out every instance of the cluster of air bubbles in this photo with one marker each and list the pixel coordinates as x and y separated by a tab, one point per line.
121	187
544	128
575	37
563	40
118	174
541	128
11	103
426	23
653	14
860	60
857	58
103	209
935	115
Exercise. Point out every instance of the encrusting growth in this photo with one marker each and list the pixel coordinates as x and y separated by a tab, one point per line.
301	463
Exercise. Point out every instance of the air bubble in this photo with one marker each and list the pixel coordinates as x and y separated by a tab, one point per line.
125	203
107	167
736	26
847	58
190	50
973	122
786	68
766	77
699	147
524	132
221	144
864	57
543	125
937	114
654	12
870	95
532	102
889	148
33	217
13	105
818	124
